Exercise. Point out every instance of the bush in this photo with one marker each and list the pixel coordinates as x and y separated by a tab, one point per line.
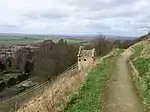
21	78
2	86
54	58
11	82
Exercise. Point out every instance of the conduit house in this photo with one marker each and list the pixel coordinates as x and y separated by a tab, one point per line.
85	58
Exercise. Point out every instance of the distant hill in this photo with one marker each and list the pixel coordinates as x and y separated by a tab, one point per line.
83	37
141	38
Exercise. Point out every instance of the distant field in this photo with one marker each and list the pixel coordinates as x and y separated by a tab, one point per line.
10	41
71	40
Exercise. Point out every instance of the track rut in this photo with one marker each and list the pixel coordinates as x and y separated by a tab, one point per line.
120	94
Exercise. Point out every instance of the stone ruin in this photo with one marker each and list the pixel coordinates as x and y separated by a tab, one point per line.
16	58
85	58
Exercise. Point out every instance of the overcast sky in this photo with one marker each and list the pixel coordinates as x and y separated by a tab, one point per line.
113	17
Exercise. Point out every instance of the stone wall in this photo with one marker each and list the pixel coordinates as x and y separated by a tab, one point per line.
17	56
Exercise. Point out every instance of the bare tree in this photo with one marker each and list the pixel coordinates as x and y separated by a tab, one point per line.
148	36
148	29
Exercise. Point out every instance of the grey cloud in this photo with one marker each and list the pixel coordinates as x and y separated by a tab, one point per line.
98	25
124	2
75	15
5	28
145	18
94	5
9	26
46	15
113	13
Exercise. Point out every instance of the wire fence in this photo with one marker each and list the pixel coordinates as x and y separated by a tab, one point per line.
55	85
55	95
39	87
62	86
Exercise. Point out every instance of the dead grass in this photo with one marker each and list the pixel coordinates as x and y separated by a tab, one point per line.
54	98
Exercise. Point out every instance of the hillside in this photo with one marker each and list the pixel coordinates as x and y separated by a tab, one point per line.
141	61
116	87
142	38
118	81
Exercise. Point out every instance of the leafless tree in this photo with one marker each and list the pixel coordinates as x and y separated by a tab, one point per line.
148	36
148	29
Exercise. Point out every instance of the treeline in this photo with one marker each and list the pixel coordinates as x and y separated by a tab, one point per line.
104	45
127	43
54	58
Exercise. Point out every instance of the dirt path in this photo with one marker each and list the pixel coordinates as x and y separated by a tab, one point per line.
120	95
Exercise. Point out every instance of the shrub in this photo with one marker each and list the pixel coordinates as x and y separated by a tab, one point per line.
11	82
2	86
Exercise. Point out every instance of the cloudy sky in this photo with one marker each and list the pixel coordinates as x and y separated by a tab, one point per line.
113	17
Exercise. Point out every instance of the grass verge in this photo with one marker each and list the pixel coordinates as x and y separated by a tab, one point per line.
87	99
137	51
142	80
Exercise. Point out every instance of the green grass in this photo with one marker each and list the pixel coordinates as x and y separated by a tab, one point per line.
143	79
87	99
143	65
138	50
11	41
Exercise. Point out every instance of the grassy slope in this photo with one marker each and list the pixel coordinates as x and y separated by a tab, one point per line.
138	50
88	97
143	79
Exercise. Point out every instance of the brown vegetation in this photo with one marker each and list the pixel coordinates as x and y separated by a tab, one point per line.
54	58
